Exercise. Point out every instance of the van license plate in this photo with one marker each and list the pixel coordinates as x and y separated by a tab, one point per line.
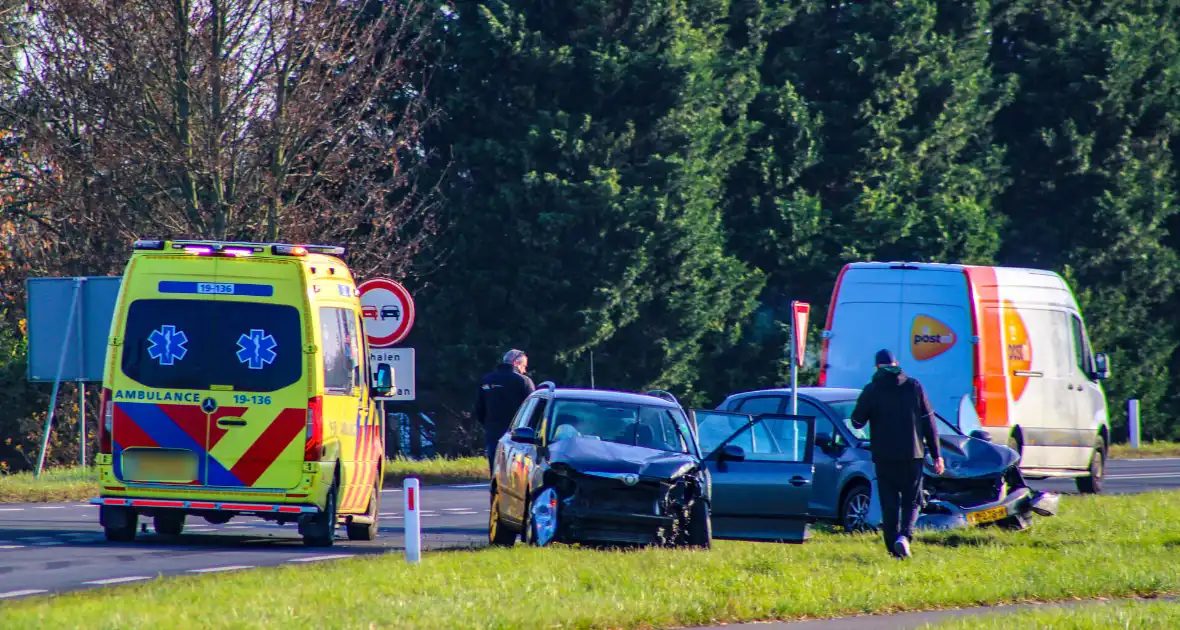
987	516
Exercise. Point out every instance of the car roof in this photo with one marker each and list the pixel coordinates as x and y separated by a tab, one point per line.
822	394
608	395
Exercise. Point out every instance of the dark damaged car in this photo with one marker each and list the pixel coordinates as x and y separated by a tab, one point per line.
605	467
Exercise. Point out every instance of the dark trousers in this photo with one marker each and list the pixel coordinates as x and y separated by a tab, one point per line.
899	486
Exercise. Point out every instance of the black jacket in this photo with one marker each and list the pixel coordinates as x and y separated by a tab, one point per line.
901	417
500	393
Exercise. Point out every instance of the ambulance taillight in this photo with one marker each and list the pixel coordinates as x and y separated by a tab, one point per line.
107	407
313	450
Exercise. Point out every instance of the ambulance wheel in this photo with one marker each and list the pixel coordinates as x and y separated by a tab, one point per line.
118	523
1092	484
168	524
320	530
362	531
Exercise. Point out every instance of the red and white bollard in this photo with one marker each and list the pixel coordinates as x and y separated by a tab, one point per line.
413	520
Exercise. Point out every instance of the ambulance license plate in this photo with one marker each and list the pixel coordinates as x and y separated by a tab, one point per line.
160	465
987	516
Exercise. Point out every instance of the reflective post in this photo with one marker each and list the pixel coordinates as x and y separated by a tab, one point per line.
1133	426
413	520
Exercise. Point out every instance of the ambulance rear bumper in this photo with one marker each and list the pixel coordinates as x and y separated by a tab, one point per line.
206	506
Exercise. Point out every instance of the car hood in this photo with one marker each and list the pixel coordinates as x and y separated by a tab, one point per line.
968	457
590	455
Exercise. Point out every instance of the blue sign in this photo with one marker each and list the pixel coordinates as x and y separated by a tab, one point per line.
257	349
167	345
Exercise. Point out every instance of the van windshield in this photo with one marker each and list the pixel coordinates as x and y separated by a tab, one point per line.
198	344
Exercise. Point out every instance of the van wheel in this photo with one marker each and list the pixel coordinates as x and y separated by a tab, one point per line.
168	524
118	523
320	530
1092	484
499	535
362	531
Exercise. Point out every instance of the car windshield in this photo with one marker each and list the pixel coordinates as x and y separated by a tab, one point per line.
843	409
659	428
201	344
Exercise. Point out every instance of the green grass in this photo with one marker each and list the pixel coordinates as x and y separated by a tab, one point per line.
78	484
830	576
1098	616
1145	450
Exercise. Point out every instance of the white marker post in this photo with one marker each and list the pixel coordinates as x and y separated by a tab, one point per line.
1133	422
413	520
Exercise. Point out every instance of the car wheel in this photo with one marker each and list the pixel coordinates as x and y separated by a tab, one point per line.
854	510
499	535
368	531
320	531
118	523
168	524
700	526
1092	484
543	518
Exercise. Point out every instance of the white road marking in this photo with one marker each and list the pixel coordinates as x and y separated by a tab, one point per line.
51	543
456	509
1145	460
133	578
240	527
320	558
1146	476
50	507
12	509
235	567
388	514
32	591
12	546
391	490
463	513
470	485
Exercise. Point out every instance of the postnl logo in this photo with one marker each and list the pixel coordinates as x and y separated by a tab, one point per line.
930	338
1019	350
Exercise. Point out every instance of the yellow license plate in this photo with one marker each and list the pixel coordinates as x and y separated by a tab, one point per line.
160	465
987	516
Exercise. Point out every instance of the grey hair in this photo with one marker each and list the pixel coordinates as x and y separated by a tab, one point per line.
513	355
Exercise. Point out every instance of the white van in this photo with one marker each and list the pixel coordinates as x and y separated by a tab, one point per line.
1012	339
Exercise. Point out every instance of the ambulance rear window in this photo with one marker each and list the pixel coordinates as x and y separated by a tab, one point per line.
194	344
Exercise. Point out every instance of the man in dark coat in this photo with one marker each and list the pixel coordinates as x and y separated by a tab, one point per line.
903	433
501	392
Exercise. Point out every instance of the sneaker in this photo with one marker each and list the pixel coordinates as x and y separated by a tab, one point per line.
901	547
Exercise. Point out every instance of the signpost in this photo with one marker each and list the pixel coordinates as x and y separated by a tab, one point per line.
402	361
387	310
799	314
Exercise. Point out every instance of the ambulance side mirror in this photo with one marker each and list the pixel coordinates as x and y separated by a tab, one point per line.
383	381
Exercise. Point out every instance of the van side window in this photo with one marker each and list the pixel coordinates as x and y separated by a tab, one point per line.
1081	346
338	330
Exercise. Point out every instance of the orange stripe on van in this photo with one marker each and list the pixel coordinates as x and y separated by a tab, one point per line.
991	396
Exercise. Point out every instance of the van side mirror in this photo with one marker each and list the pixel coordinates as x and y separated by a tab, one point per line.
1101	367
383	382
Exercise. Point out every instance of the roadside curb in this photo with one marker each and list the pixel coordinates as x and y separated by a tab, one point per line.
922	619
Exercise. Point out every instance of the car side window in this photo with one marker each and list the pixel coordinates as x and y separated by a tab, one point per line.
822	423
537	414
760	404
522	414
777	440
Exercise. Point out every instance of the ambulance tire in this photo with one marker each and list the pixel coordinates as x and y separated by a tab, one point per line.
118	523
361	531
168	524
320	531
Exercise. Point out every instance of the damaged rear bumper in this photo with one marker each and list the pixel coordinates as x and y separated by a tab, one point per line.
1020	504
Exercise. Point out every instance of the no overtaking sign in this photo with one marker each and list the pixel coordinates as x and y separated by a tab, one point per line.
388	311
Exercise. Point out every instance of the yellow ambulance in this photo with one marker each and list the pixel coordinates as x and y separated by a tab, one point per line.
237	383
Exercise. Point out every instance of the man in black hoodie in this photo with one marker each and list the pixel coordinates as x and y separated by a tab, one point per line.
903	433
500	393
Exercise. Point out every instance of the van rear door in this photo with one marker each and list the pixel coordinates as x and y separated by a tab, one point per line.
865	319
938	337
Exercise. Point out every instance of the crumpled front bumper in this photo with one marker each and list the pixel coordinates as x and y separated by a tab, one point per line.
1021	503
582	524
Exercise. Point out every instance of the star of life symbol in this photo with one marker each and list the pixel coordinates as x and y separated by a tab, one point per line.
257	349
167	345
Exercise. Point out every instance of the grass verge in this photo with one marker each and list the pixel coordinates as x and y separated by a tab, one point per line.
1129	615
1146	450
79	484
833	575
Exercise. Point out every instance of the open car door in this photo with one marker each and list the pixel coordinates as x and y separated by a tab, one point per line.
761	473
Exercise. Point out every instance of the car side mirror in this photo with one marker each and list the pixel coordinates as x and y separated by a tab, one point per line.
733	453
825	441
1101	367
383	381
980	434
524	435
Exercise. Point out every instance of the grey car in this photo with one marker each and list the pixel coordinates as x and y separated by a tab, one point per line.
842	461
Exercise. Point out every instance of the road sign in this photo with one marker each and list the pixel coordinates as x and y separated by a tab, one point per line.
402	362
801	311
388	311
69	327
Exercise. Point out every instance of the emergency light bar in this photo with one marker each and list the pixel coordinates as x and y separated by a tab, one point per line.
239	249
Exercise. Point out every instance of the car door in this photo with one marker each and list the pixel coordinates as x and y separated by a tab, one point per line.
828	459
508	464
761	473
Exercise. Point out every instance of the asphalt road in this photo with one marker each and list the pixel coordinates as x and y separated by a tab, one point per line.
48	548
